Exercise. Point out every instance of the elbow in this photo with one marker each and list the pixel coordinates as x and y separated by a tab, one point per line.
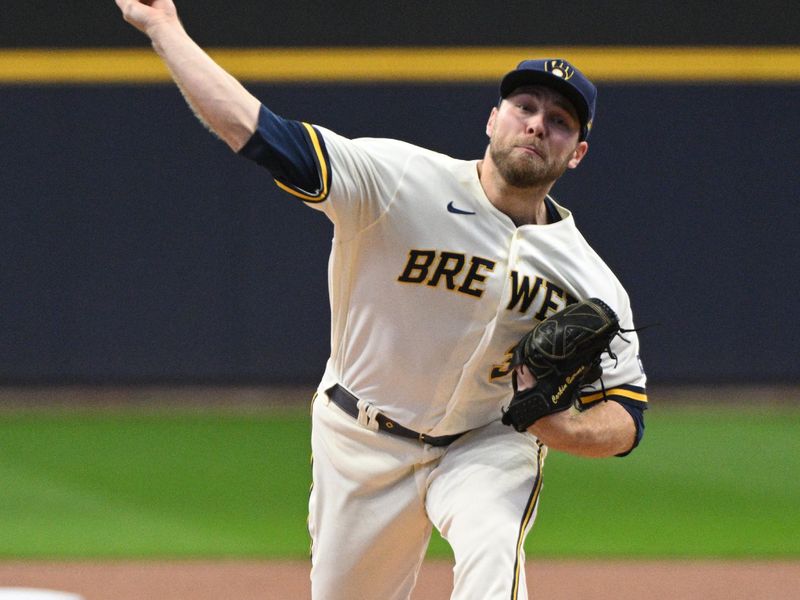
236	144
235	138
233	123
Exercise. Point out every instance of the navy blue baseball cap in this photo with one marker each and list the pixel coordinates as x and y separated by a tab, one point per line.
563	77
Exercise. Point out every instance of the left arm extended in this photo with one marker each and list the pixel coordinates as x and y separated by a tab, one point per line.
601	431
606	429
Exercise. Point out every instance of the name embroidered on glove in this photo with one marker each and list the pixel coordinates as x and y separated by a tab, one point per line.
565	386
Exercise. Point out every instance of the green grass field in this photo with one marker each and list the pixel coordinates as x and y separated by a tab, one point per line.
125	484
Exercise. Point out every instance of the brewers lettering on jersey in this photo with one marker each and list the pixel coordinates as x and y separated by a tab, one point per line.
438	267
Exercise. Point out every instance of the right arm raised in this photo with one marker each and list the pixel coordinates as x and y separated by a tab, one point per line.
217	98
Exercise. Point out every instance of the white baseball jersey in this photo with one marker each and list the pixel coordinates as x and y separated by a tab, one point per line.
431	286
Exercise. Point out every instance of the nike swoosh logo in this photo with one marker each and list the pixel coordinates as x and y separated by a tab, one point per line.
458	211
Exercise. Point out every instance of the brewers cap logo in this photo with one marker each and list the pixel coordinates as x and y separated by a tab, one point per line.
559	68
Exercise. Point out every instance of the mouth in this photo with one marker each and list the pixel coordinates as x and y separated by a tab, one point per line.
532	150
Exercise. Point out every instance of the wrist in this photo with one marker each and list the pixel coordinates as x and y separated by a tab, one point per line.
163	31
561	423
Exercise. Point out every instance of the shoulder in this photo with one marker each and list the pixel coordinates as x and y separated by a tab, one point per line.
582	264
380	147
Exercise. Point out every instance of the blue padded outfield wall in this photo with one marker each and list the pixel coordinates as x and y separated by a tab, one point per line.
135	247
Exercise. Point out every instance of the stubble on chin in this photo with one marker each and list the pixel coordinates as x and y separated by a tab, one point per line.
524	171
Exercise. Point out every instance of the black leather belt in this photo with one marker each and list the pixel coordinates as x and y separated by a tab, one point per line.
349	404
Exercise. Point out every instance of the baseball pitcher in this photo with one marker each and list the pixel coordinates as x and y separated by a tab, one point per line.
472	326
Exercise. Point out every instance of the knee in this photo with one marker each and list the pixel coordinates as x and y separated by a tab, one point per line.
487	543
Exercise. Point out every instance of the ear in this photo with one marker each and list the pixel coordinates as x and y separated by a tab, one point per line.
490	122
577	156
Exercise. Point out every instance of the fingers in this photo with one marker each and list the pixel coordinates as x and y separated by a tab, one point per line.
134	12
525	379
144	14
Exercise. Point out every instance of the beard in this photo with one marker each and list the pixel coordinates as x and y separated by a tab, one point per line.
524	171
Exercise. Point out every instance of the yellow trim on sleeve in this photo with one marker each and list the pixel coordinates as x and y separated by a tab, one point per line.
621	392
323	172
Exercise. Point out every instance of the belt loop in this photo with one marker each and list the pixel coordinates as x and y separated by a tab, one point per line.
367	415
370	418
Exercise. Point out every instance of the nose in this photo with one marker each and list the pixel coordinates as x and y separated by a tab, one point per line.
535	125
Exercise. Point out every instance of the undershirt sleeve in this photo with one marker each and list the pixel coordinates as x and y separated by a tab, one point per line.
293	152
636	411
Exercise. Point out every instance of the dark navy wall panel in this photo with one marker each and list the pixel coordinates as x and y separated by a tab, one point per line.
693	199
135	247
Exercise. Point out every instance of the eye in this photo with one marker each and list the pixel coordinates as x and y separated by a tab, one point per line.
562	121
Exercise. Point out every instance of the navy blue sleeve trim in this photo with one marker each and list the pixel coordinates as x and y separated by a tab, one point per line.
293	152
636	411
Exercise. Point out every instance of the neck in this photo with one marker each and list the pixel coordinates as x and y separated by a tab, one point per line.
524	206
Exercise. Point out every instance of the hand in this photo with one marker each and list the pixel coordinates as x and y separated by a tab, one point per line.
145	15
525	379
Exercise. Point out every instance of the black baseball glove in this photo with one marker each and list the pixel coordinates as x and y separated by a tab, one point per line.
563	353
